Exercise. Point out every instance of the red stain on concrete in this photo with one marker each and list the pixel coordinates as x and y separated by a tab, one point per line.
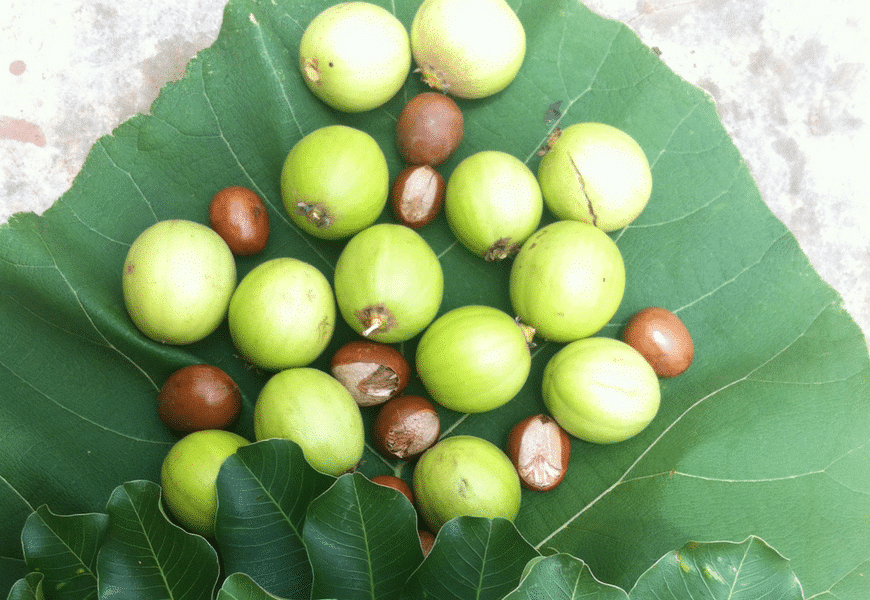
17	67
21	131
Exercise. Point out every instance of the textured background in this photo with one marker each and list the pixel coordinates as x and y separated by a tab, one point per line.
790	78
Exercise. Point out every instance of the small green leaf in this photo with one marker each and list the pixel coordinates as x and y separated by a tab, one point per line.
240	586
563	577
718	571
64	549
362	540
28	587
473	557
146	557
263	492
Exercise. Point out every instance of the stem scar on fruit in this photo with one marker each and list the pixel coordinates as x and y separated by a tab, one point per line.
502	249
376	318
316	213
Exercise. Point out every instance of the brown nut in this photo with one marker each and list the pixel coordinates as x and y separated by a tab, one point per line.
662	338
199	397
429	129
417	195
427	540
395	483
406	427
239	216
540	450
372	372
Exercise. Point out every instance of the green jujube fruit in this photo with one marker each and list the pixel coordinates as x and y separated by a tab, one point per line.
335	182
474	358
388	283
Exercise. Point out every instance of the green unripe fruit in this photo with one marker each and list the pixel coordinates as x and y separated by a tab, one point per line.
388	283
467	48
335	182
177	281
189	473
355	56
465	475
493	204
474	359
567	281
316	411
282	314
601	390
597	174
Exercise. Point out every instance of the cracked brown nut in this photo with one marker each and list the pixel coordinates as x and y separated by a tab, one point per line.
199	397
239	216
417	195
373	373
429	129
540	450
663	340
406	427
397	484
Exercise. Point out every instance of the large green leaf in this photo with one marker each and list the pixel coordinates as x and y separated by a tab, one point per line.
64	549
766	434
264	490
362	540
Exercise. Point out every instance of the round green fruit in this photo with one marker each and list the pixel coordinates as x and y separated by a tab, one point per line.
493	204
474	358
317	412
177	281
597	174
601	390
465	475
567	281
189	473
355	56
335	182
388	283
467	48
282	314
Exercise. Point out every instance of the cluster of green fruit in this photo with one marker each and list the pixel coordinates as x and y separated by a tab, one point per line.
566	282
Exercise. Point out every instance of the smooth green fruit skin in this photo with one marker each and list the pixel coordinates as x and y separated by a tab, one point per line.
282	314
597	174
393	266
601	390
473	359
567	281
492	197
360	55
189	473
465	475
338	171
177	281
316	411
468	48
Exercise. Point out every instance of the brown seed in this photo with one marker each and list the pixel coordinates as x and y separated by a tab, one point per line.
397	484
662	338
239	216
406	427
372	372
427	540
199	397
429	129
417	195
540	450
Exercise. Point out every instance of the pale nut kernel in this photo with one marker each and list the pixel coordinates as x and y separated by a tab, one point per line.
417	195
540	450
373	373
406	427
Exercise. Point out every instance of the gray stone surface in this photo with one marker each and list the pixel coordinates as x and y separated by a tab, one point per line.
790	79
